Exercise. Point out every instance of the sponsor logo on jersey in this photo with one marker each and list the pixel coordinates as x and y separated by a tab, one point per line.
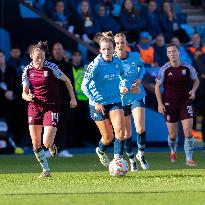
45	73
32	74
166	103
184	72
29	119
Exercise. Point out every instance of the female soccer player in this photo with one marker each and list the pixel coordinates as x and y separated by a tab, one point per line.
180	83
101	85
133	100
40	81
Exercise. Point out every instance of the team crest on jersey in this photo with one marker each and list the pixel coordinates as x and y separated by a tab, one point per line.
184	72
89	69
133	63
170	73
45	73
158	77
168	117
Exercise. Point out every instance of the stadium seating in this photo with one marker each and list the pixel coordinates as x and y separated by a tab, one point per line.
5	42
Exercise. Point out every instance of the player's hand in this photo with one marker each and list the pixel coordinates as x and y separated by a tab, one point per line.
9	94
73	103
30	97
100	108
161	109
135	88
123	90
191	95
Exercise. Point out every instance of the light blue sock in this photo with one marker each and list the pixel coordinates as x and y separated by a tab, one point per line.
173	144
188	147
118	148
41	157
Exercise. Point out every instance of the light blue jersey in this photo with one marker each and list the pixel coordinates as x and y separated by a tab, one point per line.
102	81
133	68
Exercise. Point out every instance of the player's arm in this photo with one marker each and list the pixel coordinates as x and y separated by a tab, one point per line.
161	107
66	80
88	77
159	81
26	94
194	77
141	70
194	88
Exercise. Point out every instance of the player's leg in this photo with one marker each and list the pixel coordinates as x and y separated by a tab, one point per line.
35	132
186	115
118	123
128	138
172	117
35	120
106	132
48	139
138	113
187	125
104	125
172	139
50	123
129	144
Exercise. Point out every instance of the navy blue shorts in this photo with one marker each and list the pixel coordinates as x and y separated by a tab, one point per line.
128	108
98	116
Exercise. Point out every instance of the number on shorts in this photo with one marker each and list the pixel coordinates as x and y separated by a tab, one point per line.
54	116
190	110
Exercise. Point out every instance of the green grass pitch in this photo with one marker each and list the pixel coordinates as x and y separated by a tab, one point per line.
83	180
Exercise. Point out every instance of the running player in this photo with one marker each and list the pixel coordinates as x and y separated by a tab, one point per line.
101	85
40	81
180	83
133	100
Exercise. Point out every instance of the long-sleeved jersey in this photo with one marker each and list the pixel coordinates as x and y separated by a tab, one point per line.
133	68
102	81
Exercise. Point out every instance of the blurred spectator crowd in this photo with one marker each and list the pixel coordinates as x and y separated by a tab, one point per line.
149	27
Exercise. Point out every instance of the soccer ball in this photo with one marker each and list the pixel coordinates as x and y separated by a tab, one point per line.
118	167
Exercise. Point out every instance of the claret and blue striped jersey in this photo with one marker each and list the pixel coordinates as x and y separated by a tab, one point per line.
102	81
133	68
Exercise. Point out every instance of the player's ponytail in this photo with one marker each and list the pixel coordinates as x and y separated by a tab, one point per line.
42	46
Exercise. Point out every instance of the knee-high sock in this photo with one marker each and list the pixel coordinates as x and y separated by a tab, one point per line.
188	147
129	149
118	148
172	144
41	157
141	140
102	147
